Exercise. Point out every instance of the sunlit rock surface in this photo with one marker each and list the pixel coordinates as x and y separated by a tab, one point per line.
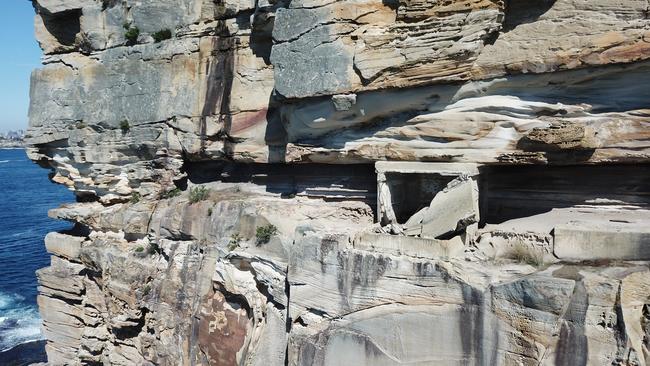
360	182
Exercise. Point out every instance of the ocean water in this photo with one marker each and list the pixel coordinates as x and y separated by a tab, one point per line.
26	195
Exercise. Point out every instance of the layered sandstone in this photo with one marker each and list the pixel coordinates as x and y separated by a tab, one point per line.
317	182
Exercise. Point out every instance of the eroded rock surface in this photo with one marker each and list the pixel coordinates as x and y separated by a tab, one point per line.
362	182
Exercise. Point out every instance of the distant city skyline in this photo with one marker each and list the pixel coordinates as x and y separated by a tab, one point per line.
20	55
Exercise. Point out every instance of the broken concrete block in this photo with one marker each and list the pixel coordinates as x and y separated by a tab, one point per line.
384	201
612	240
452	209
405	189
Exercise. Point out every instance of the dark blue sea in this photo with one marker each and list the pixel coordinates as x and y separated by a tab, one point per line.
25	197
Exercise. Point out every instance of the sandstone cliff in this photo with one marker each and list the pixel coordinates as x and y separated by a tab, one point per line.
360	182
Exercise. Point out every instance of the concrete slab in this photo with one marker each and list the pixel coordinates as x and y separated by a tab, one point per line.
545	222
444	169
597	240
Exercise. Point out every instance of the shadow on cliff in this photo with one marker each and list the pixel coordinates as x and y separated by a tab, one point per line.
518	12
512	192
219	80
64	26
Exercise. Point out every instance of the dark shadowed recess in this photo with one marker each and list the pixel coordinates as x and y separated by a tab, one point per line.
412	192
506	192
326	181
509	192
64	26
524	11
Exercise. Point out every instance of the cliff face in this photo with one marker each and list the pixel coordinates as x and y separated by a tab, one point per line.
359	182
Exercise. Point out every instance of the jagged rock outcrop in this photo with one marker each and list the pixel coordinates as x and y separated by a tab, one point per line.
315	182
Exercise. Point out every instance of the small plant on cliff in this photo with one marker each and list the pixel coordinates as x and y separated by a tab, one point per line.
198	194
523	254
125	126
132	35
146	289
171	194
135	197
162	35
210	211
139	249
264	233
235	239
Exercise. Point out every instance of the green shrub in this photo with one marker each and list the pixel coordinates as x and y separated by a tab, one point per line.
146	289
264	233
171	194
235	239
198	194
162	35
125	126
135	197
132	34
139	249
210	211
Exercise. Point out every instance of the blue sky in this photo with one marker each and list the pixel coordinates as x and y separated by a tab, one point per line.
19	54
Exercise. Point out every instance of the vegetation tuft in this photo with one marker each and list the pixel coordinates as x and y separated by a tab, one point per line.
235	239
125	126
135	197
162	35
264	233
132	35
523	254
198	194
170	194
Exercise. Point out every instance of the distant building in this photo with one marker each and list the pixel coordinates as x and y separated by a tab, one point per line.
12	139
17	135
